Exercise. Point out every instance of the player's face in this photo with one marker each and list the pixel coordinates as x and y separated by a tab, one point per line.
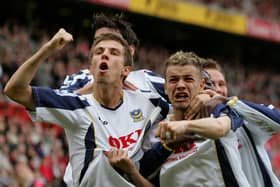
183	83
219	82
107	63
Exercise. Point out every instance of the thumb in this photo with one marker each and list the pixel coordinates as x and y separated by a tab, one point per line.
159	128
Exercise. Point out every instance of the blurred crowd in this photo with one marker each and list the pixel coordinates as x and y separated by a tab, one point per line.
31	152
266	9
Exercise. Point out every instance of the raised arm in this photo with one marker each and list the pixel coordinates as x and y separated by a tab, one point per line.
18	88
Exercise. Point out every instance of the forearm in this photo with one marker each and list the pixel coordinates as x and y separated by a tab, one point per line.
18	87
122	163
138	180
209	127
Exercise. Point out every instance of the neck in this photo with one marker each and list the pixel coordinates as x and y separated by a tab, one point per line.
108	96
178	114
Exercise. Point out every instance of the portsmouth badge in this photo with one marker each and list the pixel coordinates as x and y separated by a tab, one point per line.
137	115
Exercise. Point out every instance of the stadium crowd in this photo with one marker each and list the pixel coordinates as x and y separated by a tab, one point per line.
30	151
266	9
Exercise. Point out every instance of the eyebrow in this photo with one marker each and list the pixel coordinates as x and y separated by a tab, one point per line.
110	48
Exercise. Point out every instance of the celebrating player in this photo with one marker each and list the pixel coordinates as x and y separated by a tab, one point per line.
190	163
262	122
107	118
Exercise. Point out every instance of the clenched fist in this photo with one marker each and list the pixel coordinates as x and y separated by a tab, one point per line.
60	39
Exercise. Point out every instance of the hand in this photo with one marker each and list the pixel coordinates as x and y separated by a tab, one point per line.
60	39
169	130
209	106
129	86
119	158
195	106
210	92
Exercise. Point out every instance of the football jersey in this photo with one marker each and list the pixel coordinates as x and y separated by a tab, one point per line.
89	126
261	123
206	163
145	80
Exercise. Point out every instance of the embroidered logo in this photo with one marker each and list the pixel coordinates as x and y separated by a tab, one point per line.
137	115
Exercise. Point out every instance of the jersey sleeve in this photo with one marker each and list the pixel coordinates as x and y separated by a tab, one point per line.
153	159
76	81
224	109
56	107
157	101
148	81
164	107
263	121
157	83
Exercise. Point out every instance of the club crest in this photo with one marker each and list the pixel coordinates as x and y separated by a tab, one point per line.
137	115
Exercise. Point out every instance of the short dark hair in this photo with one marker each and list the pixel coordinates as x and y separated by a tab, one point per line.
128	60
116	22
210	63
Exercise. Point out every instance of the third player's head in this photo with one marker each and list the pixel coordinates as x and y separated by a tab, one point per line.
115	24
184	79
217	76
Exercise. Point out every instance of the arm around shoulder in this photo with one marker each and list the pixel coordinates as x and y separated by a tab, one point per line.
206	127
213	128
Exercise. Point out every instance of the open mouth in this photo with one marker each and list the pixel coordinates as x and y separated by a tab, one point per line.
181	96
103	66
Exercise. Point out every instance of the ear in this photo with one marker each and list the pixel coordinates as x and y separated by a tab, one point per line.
202	84
126	70
132	49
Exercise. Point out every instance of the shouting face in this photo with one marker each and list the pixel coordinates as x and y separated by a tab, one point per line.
107	62
183	83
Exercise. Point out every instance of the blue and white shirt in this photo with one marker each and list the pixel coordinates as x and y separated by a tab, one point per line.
89	126
207	163
261	123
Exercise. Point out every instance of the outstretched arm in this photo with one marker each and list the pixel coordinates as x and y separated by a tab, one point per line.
18	87
207	127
